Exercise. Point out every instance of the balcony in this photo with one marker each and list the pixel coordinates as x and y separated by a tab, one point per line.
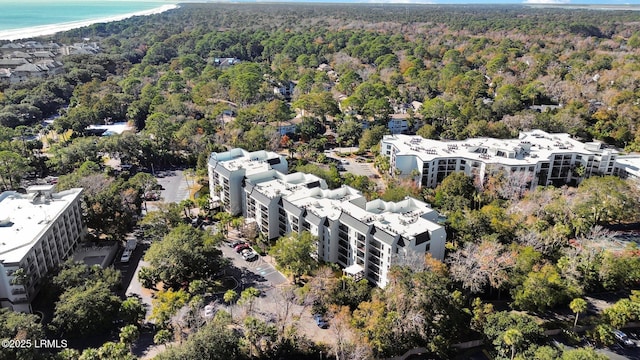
18	291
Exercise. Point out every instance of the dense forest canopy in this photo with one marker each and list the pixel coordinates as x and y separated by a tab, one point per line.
476	70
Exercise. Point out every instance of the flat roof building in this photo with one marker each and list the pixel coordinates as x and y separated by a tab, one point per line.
38	231
228	169
365	237
538	157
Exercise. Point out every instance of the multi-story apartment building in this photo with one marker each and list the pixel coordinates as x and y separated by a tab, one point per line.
366	237
628	167
227	171
263	197
38	231
537	157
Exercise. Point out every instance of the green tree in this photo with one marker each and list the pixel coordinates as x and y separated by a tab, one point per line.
293	254
542	290
578	306
348	292
74	274
158	223
132	310
596	207
85	311
214	341
19	326
166	304
427	131
183	255
230	296
261	336
513	338
247	297
583	354
349	132
162	336
372	137
499	323
12	168
455	192
129	334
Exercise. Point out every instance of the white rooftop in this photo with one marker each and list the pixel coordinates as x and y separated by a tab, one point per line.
531	147
273	183
405	217
235	159
324	202
115	128
25	217
630	163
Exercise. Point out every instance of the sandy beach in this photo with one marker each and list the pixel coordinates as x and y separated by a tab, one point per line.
31	32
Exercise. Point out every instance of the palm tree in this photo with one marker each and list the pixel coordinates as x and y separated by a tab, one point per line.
512	337
230	297
578	306
225	219
187	205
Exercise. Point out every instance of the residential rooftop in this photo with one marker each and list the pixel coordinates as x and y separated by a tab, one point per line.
324	202
25	217
407	217
253	162
529	148
273	183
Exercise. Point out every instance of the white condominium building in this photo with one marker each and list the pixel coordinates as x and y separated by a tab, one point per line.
38	231
227	171
538	157
264	193
365	238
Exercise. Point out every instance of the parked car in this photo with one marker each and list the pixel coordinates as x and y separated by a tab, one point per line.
209	311
241	247
622	338
320	321
126	256
236	243
249	254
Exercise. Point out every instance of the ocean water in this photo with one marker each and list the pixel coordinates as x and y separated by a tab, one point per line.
40	17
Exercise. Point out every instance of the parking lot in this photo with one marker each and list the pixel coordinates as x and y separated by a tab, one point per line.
363	168
262	274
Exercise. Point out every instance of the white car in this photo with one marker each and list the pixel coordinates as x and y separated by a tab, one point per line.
249	254
622	338
126	255
209	311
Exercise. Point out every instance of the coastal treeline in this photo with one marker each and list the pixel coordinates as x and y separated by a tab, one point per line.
206	77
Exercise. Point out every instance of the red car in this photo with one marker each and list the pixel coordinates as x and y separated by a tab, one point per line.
241	247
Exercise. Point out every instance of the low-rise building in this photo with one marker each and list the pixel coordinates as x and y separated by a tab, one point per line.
38	231
537	157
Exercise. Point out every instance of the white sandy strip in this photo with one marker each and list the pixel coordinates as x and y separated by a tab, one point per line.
31	32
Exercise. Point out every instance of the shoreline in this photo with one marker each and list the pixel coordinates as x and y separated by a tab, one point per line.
43	30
